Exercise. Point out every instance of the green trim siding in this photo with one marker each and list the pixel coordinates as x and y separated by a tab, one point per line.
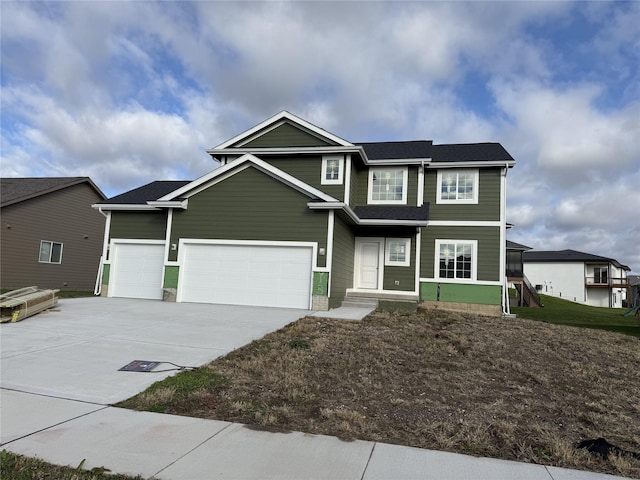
488	238
171	273
250	205
286	135
320	283
307	169
487	208
150	225
342	264
106	270
462	293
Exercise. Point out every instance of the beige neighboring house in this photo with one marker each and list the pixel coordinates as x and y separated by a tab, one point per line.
50	236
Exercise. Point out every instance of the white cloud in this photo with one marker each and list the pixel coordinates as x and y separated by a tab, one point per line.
129	101
571	134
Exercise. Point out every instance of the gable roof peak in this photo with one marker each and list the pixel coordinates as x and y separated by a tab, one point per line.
19	189
283	115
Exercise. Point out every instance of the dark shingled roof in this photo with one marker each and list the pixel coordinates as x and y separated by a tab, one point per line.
567	256
148	192
455	152
516	246
397	150
392	212
14	190
469	152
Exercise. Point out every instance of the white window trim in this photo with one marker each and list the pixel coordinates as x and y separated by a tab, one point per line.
468	201
405	182
50	251
325	160
387	252
474	261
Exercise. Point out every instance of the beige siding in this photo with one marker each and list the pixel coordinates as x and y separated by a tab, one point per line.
250	206
64	216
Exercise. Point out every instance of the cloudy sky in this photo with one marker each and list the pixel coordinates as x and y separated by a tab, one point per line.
130	92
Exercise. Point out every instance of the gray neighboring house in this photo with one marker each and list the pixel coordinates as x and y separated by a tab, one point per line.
50	236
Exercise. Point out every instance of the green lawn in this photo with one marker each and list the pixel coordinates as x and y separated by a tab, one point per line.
565	312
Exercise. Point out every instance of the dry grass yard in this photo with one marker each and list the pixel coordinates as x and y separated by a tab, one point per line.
513	389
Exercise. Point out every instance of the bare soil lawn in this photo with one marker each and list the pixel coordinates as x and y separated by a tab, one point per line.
513	389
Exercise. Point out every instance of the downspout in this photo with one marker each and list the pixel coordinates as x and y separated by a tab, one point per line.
503	241
105	245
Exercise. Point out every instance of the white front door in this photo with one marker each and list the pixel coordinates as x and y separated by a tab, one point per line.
367	264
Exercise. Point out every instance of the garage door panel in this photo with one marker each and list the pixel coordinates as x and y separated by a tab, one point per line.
277	276
137	271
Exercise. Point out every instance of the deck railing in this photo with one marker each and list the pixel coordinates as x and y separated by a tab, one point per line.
606	282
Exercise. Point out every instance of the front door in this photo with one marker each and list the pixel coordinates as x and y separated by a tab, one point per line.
367	264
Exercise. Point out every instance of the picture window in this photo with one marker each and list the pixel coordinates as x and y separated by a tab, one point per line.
456	259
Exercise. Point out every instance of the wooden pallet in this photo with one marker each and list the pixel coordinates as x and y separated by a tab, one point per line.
25	302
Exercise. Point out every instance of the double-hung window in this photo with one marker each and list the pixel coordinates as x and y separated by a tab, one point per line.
457	259
50	252
457	186
388	185
332	170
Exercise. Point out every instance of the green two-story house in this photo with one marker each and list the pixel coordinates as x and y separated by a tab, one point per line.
297	217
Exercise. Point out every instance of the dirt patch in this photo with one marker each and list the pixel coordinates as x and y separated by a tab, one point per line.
513	389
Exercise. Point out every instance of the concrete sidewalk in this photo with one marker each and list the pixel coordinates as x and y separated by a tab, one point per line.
66	432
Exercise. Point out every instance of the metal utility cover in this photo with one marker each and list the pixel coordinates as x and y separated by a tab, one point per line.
139	366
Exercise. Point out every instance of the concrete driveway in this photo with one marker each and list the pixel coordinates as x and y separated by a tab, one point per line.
75	350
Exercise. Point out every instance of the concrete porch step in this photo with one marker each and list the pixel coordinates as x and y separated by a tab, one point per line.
356	301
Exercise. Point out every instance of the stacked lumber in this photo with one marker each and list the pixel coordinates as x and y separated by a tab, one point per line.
24	302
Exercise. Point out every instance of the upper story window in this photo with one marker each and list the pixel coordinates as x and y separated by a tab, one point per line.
457	186
332	170
50	252
388	185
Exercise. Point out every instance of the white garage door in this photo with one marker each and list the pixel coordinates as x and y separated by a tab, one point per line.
270	276
137	271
